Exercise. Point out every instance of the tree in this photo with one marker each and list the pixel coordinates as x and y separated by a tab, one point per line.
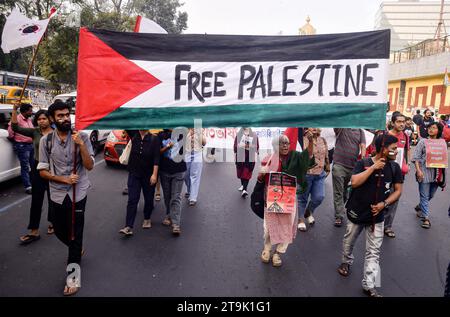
165	13
57	56
56	59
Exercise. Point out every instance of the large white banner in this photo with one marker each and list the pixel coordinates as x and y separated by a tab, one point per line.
223	138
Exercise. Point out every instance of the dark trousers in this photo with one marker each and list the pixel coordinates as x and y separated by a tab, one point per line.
62	223
135	185
244	183
25	154
40	186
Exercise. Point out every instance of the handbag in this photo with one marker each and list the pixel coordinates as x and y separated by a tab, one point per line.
125	156
257	199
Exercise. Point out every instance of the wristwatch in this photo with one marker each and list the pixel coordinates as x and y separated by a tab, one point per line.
385	204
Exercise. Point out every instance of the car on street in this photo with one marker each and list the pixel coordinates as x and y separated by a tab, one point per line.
114	146
9	164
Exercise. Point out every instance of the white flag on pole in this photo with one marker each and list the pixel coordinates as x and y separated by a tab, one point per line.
144	25
20	31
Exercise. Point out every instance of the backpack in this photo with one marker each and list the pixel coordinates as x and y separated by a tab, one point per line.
363	216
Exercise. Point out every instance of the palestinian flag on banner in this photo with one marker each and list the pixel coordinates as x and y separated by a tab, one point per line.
143	80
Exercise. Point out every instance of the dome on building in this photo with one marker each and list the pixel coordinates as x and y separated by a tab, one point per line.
307	29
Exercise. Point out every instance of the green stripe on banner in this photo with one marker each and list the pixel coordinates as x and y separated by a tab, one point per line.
344	115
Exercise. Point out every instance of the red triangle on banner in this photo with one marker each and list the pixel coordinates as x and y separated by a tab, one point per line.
106	80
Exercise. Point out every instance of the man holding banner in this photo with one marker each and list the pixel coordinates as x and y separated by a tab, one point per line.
65	156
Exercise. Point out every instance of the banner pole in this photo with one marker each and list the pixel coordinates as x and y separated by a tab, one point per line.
30	68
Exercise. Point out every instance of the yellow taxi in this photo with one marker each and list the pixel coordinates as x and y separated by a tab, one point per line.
10	93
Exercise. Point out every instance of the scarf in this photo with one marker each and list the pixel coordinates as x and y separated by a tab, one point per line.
297	164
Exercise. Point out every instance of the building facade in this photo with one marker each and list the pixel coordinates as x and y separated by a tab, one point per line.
411	21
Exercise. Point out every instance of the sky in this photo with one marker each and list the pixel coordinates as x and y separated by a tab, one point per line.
270	17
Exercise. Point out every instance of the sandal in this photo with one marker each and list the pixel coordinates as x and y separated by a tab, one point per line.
126	231
70	290
344	269
28	238
426	224
372	292
167	221
50	229
390	233
338	222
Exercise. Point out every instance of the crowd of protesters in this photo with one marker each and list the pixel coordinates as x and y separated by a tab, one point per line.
367	179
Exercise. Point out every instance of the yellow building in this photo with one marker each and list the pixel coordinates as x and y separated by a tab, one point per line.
420	93
416	78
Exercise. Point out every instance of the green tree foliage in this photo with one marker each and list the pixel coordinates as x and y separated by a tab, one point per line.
57	57
165	13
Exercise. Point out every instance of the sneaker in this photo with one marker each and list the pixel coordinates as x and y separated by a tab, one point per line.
147	224
310	220
301	226
157	197
176	230
126	231
125	191
372	292
28	190
192	202
241	188
265	256
276	259
167	221
244	194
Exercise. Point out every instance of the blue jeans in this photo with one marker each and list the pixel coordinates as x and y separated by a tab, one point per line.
25	153
194	165
426	191
316	189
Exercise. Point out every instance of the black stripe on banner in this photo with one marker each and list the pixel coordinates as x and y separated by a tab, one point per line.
246	48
